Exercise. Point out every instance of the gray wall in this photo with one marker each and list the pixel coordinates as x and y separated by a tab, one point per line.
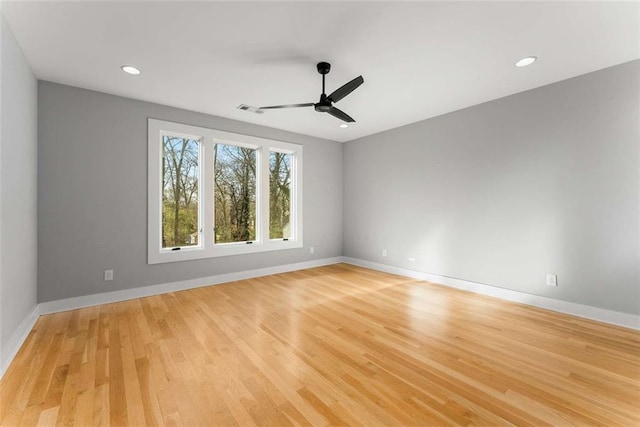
18	156
92	189
503	193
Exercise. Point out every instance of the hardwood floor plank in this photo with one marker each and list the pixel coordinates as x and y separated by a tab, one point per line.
334	345
117	397
48	417
101	405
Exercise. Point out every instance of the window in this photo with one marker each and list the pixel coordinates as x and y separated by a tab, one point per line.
279	195
180	214
235	193
214	193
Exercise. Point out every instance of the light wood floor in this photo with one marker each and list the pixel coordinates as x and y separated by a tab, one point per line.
335	345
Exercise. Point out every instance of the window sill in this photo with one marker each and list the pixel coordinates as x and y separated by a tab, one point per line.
187	254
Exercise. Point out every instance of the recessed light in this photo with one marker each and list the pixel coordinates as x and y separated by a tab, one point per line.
130	70
344	125
526	61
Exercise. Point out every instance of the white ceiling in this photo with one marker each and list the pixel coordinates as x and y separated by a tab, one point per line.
418	59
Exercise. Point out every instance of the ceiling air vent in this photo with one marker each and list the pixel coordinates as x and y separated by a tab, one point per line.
245	107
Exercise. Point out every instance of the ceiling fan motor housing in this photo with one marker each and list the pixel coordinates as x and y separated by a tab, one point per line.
324	105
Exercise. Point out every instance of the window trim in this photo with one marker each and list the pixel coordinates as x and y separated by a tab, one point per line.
207	248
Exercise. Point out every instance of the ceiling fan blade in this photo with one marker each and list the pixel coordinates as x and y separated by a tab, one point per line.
345	89
340	115
273	107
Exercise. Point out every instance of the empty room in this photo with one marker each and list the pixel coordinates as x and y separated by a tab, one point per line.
317	213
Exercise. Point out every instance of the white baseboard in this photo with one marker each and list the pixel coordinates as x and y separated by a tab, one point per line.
594	313
145	291
18	337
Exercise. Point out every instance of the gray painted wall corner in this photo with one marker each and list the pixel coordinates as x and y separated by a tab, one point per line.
18	146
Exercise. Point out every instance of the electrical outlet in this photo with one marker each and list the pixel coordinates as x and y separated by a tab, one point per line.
108	275
552	279
312	249
384	252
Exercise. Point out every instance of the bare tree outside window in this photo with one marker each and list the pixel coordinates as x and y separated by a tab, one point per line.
279	195
235	193
179	191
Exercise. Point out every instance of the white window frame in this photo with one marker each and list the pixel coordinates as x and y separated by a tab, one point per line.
207	248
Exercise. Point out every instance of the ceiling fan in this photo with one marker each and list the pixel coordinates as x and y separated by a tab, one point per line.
325	105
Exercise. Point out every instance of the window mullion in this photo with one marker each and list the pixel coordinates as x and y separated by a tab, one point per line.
207	189
296	197
264	194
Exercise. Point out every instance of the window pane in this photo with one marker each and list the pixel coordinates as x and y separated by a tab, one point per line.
179	191
279	195
235	193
